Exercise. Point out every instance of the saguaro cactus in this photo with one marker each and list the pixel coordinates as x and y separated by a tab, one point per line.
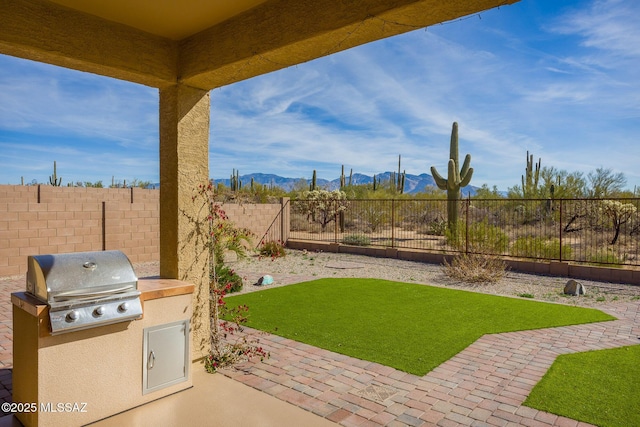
234	181
53	179
530	178
312	186
399	183
455	179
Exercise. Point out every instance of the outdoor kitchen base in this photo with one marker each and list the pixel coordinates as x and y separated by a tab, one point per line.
76	378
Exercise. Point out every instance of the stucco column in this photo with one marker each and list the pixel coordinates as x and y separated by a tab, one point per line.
184	165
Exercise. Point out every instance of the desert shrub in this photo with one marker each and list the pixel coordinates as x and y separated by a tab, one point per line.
538	247
272	249
374	215
298	223
475	268
482	238
526	295
619	214
225	276
356	240
437	227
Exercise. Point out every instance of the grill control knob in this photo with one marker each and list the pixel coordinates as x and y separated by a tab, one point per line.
123	307
99	311
72	316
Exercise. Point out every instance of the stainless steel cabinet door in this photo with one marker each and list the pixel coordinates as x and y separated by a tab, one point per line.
166	355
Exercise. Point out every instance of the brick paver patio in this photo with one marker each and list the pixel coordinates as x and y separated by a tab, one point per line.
483	385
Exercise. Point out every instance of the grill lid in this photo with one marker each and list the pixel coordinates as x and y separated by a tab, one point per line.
85	289
54	278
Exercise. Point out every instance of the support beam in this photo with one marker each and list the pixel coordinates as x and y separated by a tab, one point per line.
184	166
282	33
46	32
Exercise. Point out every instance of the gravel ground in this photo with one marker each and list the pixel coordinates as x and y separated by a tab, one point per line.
299	266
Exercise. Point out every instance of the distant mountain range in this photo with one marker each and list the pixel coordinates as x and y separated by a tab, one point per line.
412	184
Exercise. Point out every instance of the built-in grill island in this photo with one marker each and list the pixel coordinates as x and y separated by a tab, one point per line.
92	340
85	289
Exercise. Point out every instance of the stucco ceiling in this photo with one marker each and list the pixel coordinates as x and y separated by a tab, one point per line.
206	44
173	19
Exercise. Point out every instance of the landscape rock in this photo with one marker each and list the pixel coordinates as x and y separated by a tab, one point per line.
574	288
265	280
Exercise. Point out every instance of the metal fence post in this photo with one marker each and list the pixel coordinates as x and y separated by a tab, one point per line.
393	223
466	227
560	229
335	222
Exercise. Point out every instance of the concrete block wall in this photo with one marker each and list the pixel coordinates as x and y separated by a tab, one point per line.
260	218
18	193
133	228
47	220
51	194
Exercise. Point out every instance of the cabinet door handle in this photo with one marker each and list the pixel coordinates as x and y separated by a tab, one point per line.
152	360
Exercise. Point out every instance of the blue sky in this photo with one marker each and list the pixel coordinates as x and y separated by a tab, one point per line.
560	79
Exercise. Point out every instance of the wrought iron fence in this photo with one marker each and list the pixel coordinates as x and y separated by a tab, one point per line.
278	230
596	231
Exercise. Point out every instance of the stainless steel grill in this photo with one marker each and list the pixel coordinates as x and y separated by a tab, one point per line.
85	289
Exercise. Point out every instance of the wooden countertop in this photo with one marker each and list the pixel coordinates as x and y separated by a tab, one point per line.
28	303
154	288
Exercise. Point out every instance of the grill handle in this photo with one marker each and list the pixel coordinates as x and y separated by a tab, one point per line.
64	296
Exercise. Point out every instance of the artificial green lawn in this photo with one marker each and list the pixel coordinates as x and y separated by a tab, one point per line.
410	327
598	387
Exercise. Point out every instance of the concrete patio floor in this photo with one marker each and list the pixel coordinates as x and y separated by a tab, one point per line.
484	385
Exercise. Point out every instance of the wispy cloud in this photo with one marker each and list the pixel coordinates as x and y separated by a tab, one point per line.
91	125
558	79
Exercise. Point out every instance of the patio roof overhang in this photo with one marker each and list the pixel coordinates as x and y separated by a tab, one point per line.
207	44
186	48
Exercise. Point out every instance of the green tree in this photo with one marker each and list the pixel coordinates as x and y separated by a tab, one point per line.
566	185
605	183
431	192
485	192
359	192
299	187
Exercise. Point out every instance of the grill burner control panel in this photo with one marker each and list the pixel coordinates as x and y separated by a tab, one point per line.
76	318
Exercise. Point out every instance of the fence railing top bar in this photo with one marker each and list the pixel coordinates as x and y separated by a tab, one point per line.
464	199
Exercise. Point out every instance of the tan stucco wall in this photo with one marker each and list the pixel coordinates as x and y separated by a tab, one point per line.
100	367
184	166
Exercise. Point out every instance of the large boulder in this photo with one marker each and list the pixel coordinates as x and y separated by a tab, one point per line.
574	288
